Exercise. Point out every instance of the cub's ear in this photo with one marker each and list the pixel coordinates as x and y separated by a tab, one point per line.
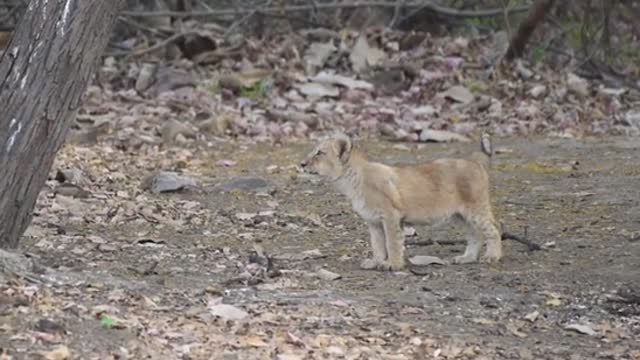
342	145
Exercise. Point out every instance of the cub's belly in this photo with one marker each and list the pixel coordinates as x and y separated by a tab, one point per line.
430	218
368	214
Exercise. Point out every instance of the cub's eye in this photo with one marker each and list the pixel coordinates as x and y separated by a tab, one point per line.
319	153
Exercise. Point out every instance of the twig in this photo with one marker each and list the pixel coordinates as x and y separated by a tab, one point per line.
243	20
433	242
139	26
521	239
445	11
532	246
162	44
396	14
9	14
507	23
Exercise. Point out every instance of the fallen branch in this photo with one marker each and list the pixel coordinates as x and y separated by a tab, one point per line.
9	14
160	45
532	246
244	19
433	242
522	240
444	11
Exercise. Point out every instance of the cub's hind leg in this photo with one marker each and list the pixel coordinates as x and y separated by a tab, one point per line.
486	224
394	241
378	247
475	239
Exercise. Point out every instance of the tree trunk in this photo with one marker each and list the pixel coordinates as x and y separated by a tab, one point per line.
535	15
44	72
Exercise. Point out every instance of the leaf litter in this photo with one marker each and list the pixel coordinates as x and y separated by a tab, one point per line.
133	151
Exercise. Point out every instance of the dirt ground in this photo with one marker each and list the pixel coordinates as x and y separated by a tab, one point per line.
145	288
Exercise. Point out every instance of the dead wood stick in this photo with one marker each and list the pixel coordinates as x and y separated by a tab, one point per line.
532	246
139	26
445	11
244	19
522	240
9	14
433	242
162	44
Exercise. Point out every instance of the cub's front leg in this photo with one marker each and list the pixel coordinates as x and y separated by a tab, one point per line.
376	233
394	241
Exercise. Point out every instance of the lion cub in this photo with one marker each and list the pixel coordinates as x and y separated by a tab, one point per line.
387	197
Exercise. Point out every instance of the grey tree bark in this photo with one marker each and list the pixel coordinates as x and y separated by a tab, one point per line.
44	72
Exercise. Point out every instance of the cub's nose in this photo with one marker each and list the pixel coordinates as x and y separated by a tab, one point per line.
303	164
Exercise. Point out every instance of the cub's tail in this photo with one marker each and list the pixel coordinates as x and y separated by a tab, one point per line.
483	157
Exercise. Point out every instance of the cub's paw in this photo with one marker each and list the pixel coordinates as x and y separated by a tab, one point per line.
490	258
462	259
370	264
390	266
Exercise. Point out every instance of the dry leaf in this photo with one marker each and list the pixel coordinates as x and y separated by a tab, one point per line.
581	328
60	353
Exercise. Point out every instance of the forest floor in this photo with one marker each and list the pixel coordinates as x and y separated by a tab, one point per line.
123	273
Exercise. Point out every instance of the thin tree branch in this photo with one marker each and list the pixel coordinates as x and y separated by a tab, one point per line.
244	19
162	44
442	10
396	14
9	14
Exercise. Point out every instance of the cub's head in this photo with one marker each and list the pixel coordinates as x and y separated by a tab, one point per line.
329	159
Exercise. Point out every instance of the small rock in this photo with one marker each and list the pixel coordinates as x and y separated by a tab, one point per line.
427	135
532	316
146	77
228	312
327	275
49	326
632	118
537	91
577	85
60	353
504	150
316	89
364	56
286	356
526	354
495	109
458	93
334	351
227	355
409	231
168	79
318	53
582	329
230	82
335	79
524	72
71	190
14	263
166	181
423	260
549	245
426	110
73	175
172	128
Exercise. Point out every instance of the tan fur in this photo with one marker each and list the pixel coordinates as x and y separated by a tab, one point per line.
387	197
